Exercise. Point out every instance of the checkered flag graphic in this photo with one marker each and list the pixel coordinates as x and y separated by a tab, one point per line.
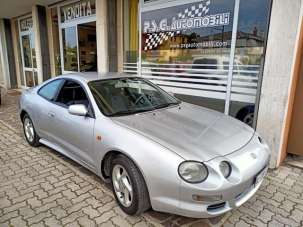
195	10
156	39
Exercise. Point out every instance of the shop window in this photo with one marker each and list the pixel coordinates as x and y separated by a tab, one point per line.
249	55
69	39
186	49
87	46
131	35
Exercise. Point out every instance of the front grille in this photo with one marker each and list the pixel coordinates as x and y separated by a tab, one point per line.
216	206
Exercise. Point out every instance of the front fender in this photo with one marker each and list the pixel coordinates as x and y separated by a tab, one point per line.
158	165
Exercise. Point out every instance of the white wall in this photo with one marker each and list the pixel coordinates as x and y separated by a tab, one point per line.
277	73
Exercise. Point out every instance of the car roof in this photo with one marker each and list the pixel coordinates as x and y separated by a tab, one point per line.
91	76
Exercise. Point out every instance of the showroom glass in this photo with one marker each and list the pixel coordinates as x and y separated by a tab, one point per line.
189	62
196	63
131	35
87	47
50	90
249	54
69	37
124	96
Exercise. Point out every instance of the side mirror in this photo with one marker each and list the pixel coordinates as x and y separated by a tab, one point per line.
78	109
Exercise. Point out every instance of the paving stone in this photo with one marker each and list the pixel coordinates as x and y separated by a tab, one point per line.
26	212
275	223
72	217
34	202
18	221
91	212
107	224
69	194
85	221
105	217
52	221
119	221
59	212
4	202
38	218
266	215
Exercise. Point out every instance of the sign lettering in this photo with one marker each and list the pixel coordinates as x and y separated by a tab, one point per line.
77	10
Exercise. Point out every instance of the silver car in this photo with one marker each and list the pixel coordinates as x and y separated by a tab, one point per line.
156	151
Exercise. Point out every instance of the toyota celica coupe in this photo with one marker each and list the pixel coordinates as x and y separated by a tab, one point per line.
157	151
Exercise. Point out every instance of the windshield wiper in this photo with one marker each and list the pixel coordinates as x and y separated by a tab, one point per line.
164	105
127	112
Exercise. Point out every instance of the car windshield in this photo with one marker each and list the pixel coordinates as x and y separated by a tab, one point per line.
124	96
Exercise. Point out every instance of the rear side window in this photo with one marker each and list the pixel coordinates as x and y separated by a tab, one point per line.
49	91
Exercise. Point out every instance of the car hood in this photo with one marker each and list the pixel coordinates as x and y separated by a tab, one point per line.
193	132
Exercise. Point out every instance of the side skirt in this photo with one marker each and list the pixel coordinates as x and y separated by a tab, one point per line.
63	152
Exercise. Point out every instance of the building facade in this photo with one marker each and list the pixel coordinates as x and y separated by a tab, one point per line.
239	57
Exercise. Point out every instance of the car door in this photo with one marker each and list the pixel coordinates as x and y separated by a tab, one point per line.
45	105
75	134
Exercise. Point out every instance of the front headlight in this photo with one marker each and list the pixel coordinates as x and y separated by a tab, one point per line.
193	172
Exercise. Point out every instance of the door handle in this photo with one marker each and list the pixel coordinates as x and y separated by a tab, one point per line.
51	114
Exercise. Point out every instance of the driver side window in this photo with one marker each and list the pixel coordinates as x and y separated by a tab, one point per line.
72	93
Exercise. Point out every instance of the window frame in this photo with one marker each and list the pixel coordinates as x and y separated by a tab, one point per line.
57	91
91	112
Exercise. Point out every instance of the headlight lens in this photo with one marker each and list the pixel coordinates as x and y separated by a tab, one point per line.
225	169
193	172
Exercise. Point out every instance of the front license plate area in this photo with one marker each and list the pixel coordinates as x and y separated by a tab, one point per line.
259	177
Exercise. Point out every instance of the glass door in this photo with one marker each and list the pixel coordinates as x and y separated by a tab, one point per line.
28	53
79	48
70	50
77	32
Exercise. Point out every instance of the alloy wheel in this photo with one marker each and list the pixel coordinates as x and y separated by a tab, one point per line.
122	185
29	129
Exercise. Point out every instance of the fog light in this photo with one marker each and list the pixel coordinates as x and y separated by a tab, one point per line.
205	198
225	169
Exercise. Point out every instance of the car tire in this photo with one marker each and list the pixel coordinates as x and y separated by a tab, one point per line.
30	133
246	115
138	200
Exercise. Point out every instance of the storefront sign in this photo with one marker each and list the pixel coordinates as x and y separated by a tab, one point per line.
181	20
77	10
26	24
188	23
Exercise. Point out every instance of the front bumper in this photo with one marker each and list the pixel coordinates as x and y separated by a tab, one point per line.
219	195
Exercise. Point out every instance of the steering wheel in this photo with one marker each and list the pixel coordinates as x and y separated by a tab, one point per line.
138	99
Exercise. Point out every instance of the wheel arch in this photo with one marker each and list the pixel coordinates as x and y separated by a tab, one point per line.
22	114
109	156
